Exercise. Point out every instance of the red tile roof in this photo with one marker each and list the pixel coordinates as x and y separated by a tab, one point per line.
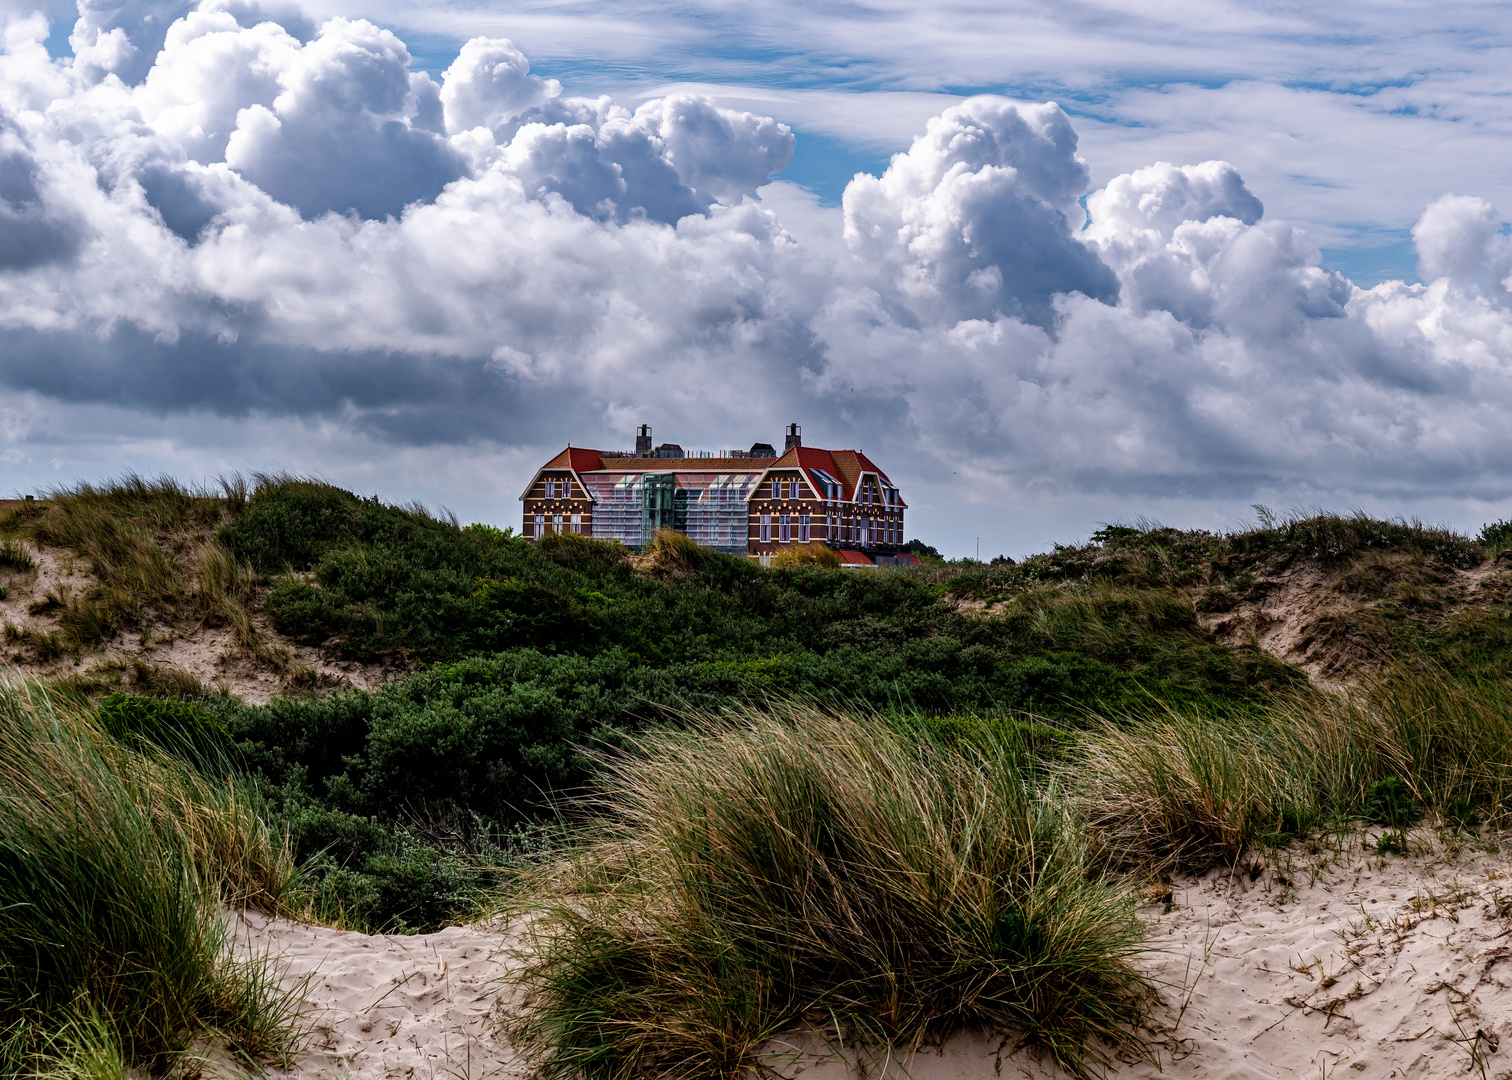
845	466
683	464
854	558
577	458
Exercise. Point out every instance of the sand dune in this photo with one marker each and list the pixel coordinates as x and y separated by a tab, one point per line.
1335	961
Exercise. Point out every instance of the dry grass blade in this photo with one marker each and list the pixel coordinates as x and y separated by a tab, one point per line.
114	863
1192	789
775	869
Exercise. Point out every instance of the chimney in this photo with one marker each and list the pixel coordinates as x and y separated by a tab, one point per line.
794	437
643	441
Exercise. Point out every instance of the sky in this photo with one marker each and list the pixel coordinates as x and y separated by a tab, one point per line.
1050	265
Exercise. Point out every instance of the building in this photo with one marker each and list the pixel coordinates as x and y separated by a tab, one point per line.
752	502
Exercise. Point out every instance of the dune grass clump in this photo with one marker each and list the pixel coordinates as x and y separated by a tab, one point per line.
766	871
1185	788
114	864
14	556
145	541
811	554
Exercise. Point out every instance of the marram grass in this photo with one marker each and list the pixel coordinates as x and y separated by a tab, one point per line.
1190	789
114	864
769	870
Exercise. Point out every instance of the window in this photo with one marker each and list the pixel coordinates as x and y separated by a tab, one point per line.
577	523
803	528
550	489
793	490
829	527
784	528
766	528
776	489
556	522
865	531
540	525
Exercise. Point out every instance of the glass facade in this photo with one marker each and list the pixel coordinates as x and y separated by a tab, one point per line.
710	508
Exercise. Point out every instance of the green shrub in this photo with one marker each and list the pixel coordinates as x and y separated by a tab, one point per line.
114	864
181	728
291	520
1388	801
1496	535
763	871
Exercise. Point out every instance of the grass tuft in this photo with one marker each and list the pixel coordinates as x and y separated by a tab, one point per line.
114	864
813	554
1190	789
775	870
14	556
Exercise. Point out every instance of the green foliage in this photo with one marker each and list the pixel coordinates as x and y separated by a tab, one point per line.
1391	842
114	864
921	549
294	521
1496	535
1388	801
180	728
761	870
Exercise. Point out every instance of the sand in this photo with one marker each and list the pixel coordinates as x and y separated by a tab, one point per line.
1334	962
397	1006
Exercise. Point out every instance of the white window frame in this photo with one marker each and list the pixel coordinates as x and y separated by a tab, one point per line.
556	523
784	529
803	528
540	526
766	528
576	523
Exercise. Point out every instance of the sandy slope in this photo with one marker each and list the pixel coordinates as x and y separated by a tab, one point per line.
208	654
1331	962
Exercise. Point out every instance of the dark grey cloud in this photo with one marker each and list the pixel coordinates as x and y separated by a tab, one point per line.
32	233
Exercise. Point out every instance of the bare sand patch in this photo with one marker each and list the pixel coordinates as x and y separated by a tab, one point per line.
407	1007
1335	961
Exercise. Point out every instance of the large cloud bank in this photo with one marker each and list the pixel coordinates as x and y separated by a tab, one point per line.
227	209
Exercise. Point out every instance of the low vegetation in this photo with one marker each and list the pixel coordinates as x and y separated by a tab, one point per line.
114	863
770	870
1189	790
904	801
